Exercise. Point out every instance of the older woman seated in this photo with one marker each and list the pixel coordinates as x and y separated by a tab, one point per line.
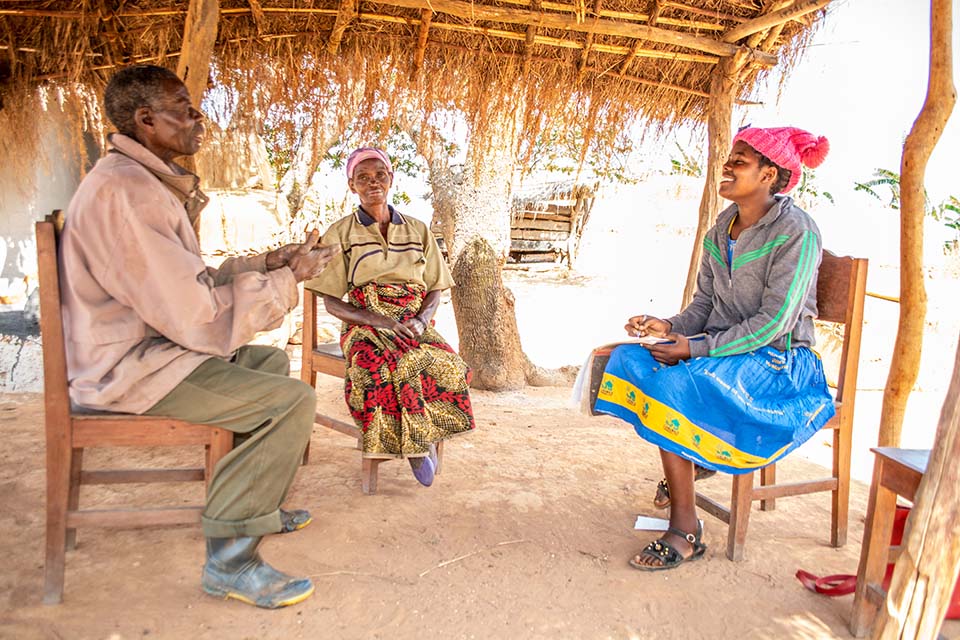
405	386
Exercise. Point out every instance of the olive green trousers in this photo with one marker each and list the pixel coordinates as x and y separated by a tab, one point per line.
271	415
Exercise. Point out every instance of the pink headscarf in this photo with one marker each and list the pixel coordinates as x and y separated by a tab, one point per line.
787	147
366	153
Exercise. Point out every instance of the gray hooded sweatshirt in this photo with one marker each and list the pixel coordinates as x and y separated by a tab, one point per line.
766	296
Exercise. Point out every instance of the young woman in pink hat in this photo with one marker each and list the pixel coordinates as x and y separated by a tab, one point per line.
734	385
406	388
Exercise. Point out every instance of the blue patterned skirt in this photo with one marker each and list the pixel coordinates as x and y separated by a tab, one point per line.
733	414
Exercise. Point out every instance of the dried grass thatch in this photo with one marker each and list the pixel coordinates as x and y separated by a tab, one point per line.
595	68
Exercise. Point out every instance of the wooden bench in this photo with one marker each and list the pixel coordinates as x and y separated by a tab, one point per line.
896	472
328	359
69	432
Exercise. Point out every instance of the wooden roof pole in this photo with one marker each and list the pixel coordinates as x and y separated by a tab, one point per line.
588	41
923	137
470	11
529	40
630	57
724	82
256	10
346	13
773	18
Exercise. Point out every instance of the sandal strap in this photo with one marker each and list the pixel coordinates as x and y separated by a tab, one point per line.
692	538
663	551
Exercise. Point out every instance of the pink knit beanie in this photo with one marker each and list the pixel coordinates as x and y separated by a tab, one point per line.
787	147
366	153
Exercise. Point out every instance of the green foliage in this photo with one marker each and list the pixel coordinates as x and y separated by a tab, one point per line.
564	153
687	164
808	193
280	150
391	138
948	212
399	146
883	178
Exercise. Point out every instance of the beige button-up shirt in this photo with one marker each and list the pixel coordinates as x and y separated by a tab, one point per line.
141	311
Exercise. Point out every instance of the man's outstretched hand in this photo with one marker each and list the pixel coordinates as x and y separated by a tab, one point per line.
306	260
281	257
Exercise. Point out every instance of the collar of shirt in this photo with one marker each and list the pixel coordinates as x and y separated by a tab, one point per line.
366	219
185	187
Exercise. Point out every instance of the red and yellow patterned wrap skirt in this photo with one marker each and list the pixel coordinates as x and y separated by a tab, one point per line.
404	394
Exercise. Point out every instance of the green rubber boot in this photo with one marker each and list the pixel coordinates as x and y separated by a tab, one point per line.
235	570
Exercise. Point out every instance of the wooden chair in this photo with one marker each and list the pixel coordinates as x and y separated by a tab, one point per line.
841	287
328	359
68	433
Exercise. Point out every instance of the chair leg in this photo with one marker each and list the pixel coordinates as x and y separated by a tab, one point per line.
740	500
221	443
59	456
839	513
439	457
874	552
368	475
73	499
768	477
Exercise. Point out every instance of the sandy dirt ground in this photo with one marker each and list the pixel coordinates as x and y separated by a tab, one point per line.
525	534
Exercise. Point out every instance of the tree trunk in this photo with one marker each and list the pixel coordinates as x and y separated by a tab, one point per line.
923	137
723	88
472	205
474	210
486	319
929	562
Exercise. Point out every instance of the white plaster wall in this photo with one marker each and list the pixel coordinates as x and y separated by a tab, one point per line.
56	174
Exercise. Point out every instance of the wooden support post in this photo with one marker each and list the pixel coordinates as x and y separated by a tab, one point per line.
929	562
426	17
193	66
723	87
346	13
199	36
923	137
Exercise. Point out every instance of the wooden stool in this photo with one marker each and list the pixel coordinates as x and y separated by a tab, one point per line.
896	472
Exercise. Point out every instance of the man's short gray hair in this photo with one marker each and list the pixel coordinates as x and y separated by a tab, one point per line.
131	88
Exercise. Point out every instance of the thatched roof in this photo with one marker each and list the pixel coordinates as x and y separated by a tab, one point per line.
594	66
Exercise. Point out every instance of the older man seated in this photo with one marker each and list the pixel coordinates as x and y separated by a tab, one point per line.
151	330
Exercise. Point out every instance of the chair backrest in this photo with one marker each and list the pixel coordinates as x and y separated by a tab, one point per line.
841	288
56	396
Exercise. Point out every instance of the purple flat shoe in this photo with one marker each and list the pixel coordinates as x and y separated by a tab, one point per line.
423	469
